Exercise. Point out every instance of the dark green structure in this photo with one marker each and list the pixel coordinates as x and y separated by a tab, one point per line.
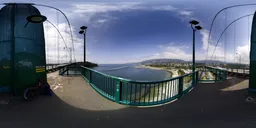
22	49
252	81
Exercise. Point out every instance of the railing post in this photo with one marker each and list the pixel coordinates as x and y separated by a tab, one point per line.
67	70
216	75
90	76
225	74
180	86
196	77
118	91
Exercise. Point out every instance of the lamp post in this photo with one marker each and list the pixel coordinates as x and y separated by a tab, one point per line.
83	31
193	24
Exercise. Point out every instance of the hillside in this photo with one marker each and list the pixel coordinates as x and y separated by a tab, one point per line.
177	61
163	61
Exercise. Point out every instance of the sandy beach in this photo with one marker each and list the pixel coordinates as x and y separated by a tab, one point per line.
173	72
149	67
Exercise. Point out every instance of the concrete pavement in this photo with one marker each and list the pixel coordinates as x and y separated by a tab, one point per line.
76	105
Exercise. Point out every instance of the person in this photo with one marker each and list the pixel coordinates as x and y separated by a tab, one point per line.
45	88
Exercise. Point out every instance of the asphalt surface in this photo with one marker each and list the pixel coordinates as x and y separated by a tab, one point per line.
75	105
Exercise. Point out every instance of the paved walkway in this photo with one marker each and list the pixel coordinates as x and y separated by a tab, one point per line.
76	105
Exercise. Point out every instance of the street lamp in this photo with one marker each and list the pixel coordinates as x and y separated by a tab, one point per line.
83	31
35	19
194	26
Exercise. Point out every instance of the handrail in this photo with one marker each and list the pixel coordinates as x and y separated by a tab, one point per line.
137	81
114	77
138	93
219	74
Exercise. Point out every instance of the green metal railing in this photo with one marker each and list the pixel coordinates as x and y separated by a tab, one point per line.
219	75
139	93
65	68
70	70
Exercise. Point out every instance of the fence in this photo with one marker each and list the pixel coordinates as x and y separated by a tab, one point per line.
139	93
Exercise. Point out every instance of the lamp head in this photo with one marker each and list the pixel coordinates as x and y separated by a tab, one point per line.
81	32
194	22
83	27
198	27
36	18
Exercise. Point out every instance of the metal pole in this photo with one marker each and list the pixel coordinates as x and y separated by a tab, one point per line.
84	50
193	66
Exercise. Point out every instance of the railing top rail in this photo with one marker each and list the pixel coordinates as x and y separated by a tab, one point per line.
222	69
136	81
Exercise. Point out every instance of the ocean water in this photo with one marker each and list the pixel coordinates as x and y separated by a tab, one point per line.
129	71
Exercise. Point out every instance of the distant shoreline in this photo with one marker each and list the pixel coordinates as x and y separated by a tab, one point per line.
172	72
149	67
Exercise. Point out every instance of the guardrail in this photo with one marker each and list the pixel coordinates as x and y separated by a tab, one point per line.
55	67
219	75
64	69
51	67
138	93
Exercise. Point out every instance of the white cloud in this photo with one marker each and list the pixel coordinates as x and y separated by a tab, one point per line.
219	53
186	13
51	37
172	51
88	10
244	52
102	20
103	7
205	37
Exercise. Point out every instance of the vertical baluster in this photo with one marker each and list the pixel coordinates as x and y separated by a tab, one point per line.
168	93
161	91
130	93
112	87
158	92
117	99
100	80
90	75
149	93
127	91
121	91
177	86
140	94
173	84
165	94
145	93
135	100
103	84
107	86
154	93
180	86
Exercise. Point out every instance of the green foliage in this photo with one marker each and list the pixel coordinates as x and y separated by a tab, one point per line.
181	72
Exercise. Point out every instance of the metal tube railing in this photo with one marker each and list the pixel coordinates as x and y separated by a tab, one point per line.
219	75
138	93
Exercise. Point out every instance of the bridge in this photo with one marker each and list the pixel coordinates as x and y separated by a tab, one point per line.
84	97
83	101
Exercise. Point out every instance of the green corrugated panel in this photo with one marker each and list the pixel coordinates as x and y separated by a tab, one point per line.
24	52
5	46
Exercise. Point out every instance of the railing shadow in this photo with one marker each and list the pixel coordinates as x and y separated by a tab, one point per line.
205	105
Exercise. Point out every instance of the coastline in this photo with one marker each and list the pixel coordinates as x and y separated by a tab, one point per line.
173	73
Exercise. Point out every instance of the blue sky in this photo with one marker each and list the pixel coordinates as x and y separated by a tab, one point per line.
124	32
